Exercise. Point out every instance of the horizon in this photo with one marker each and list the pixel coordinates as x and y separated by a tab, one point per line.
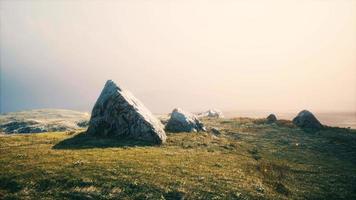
234	56
231	113
338	119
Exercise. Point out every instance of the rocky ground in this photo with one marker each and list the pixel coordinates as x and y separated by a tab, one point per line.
43	120
238	158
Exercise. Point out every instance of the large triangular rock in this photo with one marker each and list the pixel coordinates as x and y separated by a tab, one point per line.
117	113
306	119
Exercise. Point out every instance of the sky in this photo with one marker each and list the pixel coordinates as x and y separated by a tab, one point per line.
276	55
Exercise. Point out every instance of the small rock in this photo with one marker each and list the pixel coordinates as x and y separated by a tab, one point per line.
260	189
182	121
306	119
213	113
215	131
238	194
78	162
271	118
83	123
163	121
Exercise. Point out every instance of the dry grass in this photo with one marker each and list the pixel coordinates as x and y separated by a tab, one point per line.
249	160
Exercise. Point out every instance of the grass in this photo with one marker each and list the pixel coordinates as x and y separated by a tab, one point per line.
250	159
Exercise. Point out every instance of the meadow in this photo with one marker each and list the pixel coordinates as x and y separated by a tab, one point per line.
248	159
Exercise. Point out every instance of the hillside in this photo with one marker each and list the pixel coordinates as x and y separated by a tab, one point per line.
42	120
249	159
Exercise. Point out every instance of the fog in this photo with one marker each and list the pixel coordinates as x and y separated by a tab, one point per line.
278	55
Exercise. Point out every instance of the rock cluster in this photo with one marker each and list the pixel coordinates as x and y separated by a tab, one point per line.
117	113
25	126
42	120
213	113
271	118
306	119
183	121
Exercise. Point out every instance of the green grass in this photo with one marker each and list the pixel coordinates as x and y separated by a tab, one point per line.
249	160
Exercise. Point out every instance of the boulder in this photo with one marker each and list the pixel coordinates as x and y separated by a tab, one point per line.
117	113
182	121
306	119
271	118
213	113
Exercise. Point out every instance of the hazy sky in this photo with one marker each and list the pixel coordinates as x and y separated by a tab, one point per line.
276	55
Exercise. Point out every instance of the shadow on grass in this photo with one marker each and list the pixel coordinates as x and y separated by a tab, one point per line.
85	141
325	129
70	187
10	184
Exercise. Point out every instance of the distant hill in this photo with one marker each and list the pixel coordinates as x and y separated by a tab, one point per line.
43	120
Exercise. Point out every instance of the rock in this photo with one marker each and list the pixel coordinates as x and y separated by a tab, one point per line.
83	123
215	131
41	120
260	189
306	119
163	118
117	113
213	113
182	121
23	126
271	118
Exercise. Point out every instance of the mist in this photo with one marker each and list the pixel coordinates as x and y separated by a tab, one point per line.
278	56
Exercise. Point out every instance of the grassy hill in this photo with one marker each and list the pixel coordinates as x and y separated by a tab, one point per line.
250	159
42	120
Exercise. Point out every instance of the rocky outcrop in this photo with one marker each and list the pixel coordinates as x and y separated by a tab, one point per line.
271	118
117	113
182	121
213	113
42	120
306	119
25	126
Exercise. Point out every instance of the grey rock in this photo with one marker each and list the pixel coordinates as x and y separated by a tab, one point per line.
163	118
25	126
271	118
83	123
260	189
182	121
213	113
41	120
14	126
117	113
215	131
306	119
